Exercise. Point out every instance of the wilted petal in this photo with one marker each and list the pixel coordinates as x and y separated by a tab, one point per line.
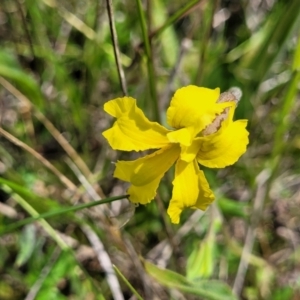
132	131
145	173
225	147
191	189
194	108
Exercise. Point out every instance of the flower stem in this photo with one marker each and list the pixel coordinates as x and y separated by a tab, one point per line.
138	296
150	66
57	212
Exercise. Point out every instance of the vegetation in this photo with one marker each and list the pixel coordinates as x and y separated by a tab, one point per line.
67	230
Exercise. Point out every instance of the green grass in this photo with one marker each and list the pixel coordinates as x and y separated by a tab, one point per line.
58	68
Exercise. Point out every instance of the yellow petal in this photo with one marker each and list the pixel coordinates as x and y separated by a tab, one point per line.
194	107
143	194
225	147
181	136
132	130
191	189
145	173
189	153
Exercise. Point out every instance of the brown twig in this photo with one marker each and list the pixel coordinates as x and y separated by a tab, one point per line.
173	241
258	205
162	252
69	184
101	209
139	268
105	262
50	127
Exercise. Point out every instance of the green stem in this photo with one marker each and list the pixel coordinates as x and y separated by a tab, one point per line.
176	16
46	226
150	66
205	41
58	212
127	283
284	120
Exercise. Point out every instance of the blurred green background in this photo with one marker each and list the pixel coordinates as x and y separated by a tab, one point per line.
57	69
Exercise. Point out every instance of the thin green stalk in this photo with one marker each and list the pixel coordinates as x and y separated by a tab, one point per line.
150	66
152	84
47	227
284	121
205	42
50	231
176	16
115	44
25	26
144	29
48	267
261	59
127	283
57	212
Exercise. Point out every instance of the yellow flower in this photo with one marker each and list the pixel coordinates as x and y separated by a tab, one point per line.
204	132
